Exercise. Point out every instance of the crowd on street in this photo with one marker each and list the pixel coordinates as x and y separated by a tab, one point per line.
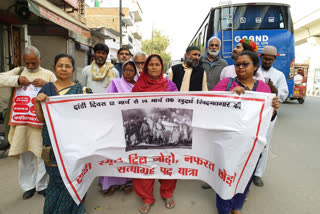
200	71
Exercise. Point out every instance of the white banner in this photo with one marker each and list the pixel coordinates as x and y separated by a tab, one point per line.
216	137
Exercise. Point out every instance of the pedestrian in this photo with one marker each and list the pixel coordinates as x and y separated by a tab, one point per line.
58	198
189	76
139	59
120	85
246	64
26	141
212	62
152	80
123	56
99	74
277	81
244	45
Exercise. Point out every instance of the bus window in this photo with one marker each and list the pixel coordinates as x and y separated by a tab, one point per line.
200	39
216	23
204	36
259	17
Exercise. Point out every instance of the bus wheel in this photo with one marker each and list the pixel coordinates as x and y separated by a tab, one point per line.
301	100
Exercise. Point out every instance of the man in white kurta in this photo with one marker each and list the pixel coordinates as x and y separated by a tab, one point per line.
268	55
99	74
26	141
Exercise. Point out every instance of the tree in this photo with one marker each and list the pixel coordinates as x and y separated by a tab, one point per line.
158	46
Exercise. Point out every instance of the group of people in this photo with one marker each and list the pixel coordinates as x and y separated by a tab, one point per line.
161	131
141	74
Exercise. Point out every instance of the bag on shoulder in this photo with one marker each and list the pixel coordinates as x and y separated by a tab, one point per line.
6	111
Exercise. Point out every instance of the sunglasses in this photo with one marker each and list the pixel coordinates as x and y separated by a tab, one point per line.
244	65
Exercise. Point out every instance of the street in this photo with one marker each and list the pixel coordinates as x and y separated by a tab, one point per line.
290	180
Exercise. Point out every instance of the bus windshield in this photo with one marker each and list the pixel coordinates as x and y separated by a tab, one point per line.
253	17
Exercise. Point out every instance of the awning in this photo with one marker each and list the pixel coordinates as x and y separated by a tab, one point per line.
49	11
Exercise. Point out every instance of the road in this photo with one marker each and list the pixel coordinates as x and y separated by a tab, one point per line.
291	179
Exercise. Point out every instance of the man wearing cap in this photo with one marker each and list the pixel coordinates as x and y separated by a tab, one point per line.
244	45
99	74
274	78
212	62
268	56
189	76
124	55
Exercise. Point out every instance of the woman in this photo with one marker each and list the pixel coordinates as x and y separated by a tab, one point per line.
152	80
126	82
120	85
246	65
58	199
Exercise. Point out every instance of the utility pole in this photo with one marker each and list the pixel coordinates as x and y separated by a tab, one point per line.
152	40
120	17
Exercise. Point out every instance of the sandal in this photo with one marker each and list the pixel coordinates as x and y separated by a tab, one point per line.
169	203
110	191
126	188
145	209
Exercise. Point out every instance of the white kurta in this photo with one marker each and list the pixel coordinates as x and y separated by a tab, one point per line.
24	138
279	81
97	86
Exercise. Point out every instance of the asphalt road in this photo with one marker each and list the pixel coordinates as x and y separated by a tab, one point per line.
291	179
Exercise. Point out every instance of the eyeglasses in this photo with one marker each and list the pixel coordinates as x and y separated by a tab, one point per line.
131	71
244	65
65	66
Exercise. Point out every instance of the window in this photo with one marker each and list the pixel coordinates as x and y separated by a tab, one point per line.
252	17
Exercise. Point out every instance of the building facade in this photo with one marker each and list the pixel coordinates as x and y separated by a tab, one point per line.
52	26
107	16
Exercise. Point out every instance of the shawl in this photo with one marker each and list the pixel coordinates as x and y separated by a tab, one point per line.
145	84
100	73
120	84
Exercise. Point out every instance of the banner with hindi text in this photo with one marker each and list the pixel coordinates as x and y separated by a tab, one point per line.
216	137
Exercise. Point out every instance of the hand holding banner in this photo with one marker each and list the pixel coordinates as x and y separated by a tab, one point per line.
213	136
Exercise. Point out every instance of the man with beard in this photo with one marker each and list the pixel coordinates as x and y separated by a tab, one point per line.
275	79
244	45
124	55
26	141
99	74
189	76
212	62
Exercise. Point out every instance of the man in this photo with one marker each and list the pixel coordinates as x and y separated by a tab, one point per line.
189	76
139	59
124	55
244	45
26	141
99	74
274	78
212	62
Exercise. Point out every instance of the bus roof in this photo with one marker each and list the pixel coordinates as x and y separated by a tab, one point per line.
243	2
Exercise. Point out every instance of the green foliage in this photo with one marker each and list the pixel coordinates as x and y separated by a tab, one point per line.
160	44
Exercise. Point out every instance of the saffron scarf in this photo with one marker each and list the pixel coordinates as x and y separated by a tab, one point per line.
145	84
105	71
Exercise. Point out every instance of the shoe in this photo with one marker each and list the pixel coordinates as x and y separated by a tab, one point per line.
205	186
258	181
28	194
43	192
